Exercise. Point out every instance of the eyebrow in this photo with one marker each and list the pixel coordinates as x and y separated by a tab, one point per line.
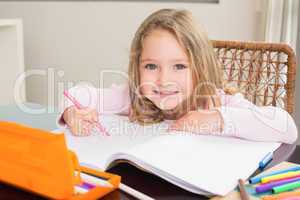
174	60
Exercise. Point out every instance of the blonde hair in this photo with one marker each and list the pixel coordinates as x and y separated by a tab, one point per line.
206	71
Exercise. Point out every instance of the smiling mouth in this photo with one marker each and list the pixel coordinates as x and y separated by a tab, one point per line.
165	93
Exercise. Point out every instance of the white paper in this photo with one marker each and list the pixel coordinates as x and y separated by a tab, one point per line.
198	163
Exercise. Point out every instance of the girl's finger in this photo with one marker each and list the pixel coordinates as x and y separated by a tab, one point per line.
82	127
87	117
95	116
177	125
78	132
87	126
90	115
83	111
90	127
87	131
73	131
76	127
84	131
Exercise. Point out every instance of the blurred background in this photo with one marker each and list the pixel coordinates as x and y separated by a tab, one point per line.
65	42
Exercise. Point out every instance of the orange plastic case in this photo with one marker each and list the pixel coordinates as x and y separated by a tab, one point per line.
39	161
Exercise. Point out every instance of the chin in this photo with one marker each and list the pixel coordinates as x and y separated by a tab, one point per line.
166	106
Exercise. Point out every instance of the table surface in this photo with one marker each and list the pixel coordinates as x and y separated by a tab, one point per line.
147	183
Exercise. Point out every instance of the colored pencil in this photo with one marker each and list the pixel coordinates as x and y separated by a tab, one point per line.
79	106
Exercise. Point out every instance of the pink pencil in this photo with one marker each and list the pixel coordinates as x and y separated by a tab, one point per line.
79	106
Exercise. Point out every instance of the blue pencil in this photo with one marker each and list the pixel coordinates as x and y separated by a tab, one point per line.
263	163
257	179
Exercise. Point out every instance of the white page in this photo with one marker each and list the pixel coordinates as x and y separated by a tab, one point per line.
169	155
210	163
96	148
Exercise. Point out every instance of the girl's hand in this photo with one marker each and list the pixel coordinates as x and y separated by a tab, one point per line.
80	121
201	122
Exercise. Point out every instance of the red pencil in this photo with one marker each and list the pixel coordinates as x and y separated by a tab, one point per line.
79	106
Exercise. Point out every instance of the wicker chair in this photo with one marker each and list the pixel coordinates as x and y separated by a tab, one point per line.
263	72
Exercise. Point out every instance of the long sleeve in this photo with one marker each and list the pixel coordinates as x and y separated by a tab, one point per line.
245	120
113	100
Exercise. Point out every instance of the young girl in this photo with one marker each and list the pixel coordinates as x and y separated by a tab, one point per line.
174	75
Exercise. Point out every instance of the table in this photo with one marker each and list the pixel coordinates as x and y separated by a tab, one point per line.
147	183
142	181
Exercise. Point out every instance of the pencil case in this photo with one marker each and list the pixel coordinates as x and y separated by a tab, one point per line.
38	161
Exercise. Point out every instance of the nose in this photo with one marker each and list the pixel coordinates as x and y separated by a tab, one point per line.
164	76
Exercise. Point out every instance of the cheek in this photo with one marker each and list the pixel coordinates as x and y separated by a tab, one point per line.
147	82
186	83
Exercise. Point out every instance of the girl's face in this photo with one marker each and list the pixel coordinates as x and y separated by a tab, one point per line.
165	73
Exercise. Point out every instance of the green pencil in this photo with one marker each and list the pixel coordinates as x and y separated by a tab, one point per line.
286	187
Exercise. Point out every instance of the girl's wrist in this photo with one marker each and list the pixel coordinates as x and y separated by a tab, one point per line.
214	118
221	119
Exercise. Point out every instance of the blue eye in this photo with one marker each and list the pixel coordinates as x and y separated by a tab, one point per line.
151	66
180	66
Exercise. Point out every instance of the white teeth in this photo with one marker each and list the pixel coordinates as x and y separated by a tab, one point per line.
165	92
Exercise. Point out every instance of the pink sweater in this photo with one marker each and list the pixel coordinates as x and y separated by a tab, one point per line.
241	118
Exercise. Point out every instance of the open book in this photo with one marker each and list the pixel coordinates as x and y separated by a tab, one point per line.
202	164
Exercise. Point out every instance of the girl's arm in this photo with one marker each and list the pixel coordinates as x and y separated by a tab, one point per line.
113	100
238	117
243	119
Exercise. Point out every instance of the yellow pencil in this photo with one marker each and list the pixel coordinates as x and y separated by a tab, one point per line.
280	176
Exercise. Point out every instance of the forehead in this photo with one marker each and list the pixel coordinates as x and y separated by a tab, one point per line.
162	45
